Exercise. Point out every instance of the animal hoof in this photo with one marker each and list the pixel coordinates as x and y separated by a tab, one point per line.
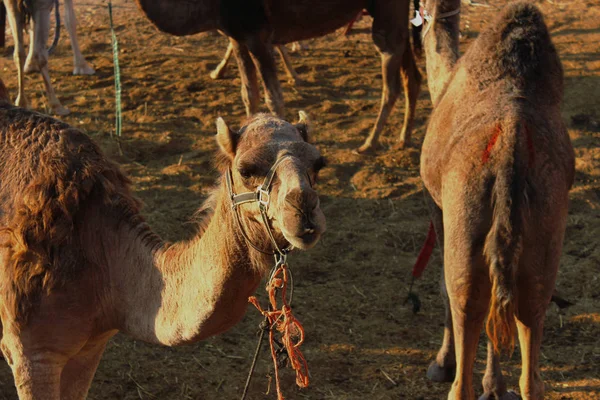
60	110
436	373
216	75
367	148
509	395
84	70
30	67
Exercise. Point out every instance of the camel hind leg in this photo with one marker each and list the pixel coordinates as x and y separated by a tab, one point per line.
293	77
392	39
411	83
536	276
15	20
80	65
263	59
41	25
219	71
250	94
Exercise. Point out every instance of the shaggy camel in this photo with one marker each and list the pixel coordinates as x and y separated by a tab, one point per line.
40	25
80	65
254	25
293	77
497	164
80	264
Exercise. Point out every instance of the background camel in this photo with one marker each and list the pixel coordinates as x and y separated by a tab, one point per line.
254	26
80	65
80	264
40	25
497	164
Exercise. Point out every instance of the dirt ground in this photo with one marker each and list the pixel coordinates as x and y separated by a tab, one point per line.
362	342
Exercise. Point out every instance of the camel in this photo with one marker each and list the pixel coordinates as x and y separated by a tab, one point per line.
254	26
79	264
37	59
80	65
497	165
39	11
293	77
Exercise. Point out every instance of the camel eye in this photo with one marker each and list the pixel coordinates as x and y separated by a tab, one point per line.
245	173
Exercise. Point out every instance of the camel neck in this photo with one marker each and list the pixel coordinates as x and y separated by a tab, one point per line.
194	289
441	45
182	17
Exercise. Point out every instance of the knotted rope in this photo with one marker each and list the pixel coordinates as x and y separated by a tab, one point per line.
279	318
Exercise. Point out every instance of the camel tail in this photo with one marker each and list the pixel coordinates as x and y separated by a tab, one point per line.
504	241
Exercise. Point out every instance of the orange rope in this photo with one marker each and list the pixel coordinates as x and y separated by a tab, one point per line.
292	333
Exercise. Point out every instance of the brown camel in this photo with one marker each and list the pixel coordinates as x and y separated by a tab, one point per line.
80	264
255	25
39	12
497	164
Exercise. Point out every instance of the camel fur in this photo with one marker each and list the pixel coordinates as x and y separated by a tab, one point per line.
497	164
79	263
254	26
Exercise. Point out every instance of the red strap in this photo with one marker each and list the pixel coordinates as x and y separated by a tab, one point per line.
425	253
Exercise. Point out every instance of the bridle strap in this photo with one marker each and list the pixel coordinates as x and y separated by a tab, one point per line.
423	16
262	196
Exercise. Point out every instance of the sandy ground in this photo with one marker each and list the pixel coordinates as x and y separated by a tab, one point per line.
362	342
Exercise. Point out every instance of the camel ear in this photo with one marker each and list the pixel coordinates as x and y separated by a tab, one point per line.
226	138
304	126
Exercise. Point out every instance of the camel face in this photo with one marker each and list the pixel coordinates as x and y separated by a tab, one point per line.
293	204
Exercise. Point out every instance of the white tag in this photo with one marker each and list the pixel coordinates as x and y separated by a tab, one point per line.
417	20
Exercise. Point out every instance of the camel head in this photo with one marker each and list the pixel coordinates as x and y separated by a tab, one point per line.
268	146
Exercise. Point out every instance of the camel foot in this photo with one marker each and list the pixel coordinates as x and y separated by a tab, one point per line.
84	69
60	110
437	373
509	395
401	145
368	148
31	67
216	74
21	102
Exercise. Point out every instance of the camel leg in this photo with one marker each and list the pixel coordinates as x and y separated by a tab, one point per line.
30	63
15	19
293	77
263	59
411	82
219	71
250	94
443	368
80	65
391	38
79	371
469	289
494	386
536	275
37	375
41	26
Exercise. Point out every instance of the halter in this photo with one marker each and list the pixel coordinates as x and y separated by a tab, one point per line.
422	16
263	197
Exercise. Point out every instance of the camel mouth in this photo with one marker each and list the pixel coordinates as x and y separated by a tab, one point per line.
305	241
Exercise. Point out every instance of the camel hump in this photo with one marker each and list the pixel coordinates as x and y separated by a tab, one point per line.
524	47
52	175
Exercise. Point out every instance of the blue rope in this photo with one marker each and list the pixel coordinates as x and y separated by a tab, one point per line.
115	48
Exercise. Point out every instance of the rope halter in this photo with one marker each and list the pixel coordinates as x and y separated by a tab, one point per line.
262	196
